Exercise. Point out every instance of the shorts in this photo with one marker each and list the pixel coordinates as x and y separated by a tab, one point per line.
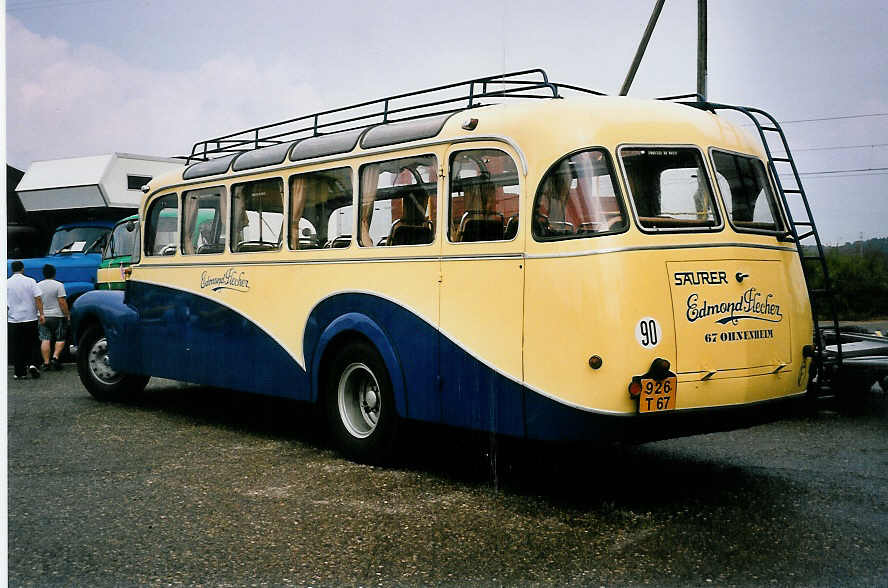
55	328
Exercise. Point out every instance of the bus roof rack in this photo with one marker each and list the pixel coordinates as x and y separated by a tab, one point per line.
698	97
438	100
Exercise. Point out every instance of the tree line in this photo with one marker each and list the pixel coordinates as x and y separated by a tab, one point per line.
859	275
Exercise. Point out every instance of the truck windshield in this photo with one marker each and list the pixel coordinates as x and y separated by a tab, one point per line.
122	241
78	240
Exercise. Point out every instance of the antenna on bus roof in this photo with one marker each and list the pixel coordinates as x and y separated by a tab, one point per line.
701	51
642	45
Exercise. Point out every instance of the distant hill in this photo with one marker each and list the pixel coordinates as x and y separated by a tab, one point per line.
875	244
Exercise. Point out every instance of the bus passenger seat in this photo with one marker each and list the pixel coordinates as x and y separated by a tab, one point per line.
477	225
408	234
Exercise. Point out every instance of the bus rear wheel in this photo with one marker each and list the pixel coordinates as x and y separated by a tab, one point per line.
96	373
359	403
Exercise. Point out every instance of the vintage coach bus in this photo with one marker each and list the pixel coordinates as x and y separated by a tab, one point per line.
588	267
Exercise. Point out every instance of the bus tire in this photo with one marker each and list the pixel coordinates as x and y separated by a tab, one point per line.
99	378
359	403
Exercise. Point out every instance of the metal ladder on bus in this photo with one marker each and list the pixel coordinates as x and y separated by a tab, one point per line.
807	239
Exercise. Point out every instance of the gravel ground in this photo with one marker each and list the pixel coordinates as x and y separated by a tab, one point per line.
199	486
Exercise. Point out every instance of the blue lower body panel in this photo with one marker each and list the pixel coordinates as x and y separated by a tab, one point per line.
181	336
185	337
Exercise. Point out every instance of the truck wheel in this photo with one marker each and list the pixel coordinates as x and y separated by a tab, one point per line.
96	373
359	403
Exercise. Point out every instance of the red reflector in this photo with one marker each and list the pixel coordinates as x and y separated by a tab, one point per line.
635	389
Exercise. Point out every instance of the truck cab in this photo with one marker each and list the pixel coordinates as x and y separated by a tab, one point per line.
117	254
76	252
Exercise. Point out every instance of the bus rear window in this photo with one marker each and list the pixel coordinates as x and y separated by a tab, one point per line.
744	187
670	188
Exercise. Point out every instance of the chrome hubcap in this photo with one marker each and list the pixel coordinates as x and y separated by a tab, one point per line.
359	400
99	363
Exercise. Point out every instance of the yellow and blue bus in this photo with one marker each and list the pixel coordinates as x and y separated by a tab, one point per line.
508	260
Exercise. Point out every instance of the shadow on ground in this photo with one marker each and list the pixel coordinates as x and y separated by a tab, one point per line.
647	475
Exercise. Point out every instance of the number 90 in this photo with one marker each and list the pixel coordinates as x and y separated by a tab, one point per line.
648	332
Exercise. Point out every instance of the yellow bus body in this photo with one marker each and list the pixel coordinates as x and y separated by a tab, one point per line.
535	312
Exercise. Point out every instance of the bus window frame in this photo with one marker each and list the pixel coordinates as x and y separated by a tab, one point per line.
178	195
716	197
320	167
618	194
781	213
356	198
284	214
226	195
454	150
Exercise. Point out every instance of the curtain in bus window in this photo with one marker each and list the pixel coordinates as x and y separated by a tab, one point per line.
239	220
369	182
191	208
298	194
217	237
551	211
589	187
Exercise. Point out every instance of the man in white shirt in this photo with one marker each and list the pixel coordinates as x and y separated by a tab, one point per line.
55	309
24	309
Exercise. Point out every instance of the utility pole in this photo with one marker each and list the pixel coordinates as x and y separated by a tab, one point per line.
642	46
701	48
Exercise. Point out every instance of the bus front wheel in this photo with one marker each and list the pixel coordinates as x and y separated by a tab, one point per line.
96	373
359	403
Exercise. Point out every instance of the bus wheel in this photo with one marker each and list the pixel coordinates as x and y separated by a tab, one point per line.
360	405
96	373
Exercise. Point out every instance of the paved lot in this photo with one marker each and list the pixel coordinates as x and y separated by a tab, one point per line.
199	486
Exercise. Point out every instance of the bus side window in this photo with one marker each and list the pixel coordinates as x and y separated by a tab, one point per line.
257	215
398	202
321	209
577	198
162	226
203	221
483	196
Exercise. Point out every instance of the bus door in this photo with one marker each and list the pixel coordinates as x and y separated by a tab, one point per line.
398	237
482	292
160	327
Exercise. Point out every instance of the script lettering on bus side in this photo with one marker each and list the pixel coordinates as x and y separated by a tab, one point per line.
752	304
230	280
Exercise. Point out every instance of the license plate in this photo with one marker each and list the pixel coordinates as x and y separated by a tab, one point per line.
658	395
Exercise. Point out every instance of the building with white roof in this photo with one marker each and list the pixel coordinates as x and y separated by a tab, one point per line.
96	182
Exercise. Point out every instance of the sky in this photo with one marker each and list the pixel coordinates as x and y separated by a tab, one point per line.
86	77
